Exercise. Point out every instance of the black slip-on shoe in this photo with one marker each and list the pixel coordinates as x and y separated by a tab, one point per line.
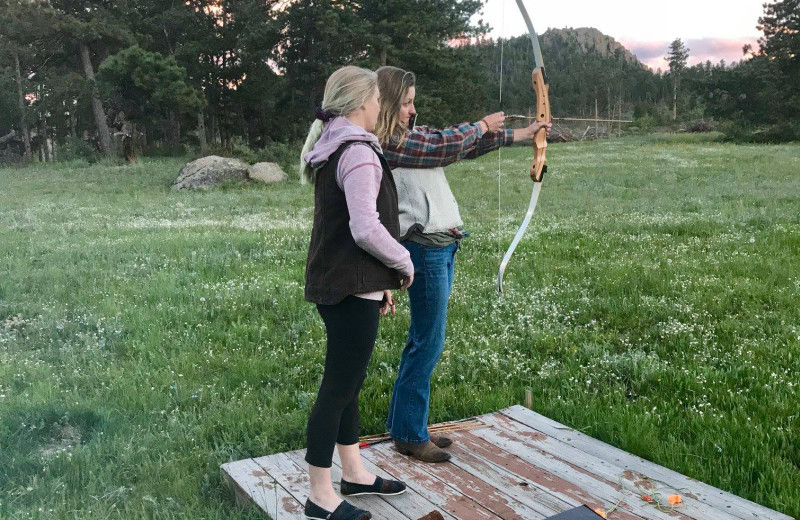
379	487
345	511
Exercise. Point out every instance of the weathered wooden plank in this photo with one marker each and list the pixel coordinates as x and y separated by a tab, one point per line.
254	485
437	492
297	481
294	479
555	485
529	493
411	503
376	505
635	483
590	485
721	500
486	494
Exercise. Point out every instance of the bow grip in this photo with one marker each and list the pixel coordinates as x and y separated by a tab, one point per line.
539	166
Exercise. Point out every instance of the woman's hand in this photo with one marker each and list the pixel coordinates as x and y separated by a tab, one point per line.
388	304
406	281
535	127
494	122
528	133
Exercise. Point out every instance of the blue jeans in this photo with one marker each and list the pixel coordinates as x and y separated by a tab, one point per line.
428	296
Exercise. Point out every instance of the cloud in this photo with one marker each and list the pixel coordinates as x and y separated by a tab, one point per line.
652	53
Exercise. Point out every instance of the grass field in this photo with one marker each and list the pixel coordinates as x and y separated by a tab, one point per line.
147	336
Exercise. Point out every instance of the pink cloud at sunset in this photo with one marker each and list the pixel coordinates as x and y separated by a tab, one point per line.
715	30
652	53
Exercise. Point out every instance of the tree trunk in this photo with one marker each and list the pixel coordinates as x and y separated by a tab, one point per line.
73	124
9	136
213	121
43	140
97	105
610	116
596	117
129	141
141	137
23	121
383	57
675	99
174	135
201	133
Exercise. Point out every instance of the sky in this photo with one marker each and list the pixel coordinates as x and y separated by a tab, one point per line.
712	29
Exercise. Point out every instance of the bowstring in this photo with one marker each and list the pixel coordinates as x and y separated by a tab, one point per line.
500	150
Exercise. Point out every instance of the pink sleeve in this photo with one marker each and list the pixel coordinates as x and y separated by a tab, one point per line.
359	174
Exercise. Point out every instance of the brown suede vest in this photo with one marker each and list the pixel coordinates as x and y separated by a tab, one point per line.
337	267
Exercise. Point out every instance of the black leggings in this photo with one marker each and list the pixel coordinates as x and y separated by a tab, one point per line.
351	327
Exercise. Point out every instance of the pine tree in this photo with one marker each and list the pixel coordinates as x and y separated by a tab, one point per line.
95	27
781	44
145	85
677	59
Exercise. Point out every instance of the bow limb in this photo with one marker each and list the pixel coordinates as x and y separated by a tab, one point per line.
539	165
537	187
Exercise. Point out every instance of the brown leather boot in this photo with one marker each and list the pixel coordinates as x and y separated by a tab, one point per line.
441	441
428	452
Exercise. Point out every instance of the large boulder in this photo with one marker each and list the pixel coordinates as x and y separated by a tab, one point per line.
210	171
267	172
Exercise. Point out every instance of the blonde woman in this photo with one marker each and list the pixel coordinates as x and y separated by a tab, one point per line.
354	261
431	230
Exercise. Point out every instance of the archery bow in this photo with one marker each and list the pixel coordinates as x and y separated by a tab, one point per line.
539	166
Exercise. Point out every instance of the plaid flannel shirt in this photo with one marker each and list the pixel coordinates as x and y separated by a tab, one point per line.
425	147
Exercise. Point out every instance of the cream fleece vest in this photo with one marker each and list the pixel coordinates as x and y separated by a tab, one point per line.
425	201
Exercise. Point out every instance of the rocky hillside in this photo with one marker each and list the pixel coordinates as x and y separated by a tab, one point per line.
590	39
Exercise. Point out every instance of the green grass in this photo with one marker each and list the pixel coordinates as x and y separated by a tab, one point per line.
148	336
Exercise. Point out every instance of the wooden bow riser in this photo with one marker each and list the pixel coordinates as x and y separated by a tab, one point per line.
539	166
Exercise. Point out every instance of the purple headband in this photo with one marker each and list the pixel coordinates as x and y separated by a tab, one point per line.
323	115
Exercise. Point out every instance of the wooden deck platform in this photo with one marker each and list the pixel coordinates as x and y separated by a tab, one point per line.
521	466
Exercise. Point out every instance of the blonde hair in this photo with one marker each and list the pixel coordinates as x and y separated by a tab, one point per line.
393	84
346	91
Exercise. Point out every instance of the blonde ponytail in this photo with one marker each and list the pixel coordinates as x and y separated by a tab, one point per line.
313	136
